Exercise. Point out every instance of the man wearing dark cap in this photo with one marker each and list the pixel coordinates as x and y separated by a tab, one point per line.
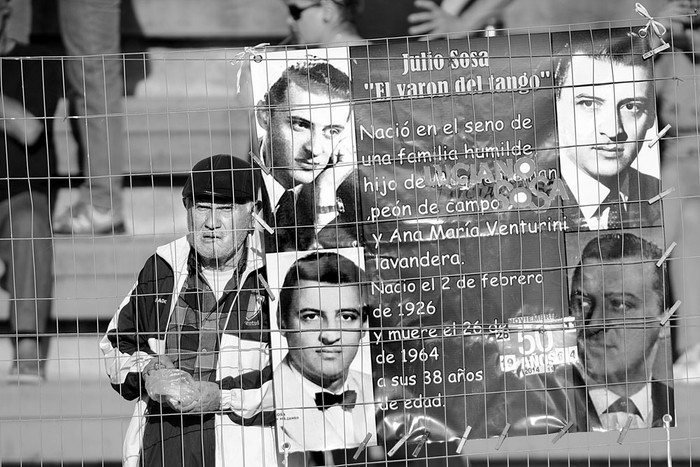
190	341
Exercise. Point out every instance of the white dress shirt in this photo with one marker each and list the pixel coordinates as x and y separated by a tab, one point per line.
301	426
589	194
603	398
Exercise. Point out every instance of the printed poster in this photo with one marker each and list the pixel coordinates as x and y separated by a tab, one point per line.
504	196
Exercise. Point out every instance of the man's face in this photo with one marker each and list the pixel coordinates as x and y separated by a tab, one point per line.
306	20
611	302
302	139
216	231
600	125
323	331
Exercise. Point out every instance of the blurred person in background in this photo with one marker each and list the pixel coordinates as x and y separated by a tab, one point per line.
91	34
678	91
31	88
323	21
456	17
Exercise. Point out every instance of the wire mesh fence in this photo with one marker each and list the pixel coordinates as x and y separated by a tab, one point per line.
413	257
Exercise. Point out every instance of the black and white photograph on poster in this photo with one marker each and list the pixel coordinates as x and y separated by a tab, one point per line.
322	378
618	296
605	118
305	131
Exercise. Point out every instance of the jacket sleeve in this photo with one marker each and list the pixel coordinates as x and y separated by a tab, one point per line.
246	392
133	333
248	399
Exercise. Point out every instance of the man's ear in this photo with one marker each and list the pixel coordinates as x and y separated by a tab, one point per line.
262	114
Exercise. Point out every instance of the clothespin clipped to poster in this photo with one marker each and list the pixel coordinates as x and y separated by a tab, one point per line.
562	432
241	56
662	195
421	442
666	254
666	316
661	134
502	438
259	253
625	429
399	443
260	162
667	419
463	439
362	446
266	286
262	222
657	27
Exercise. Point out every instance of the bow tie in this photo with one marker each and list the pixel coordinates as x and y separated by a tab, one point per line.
624	405
325	400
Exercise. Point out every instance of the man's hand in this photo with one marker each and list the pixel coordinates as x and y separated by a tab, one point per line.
433	20
19	123
342	164
158	362
209	399
168	385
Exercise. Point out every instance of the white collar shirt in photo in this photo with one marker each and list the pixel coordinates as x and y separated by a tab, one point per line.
589	194
274	189
603	398
303	427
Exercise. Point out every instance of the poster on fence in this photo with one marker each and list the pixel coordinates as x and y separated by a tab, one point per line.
503	197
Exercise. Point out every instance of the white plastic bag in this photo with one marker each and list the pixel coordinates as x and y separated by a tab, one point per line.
173	386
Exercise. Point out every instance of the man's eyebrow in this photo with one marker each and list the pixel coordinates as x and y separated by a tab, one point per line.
642	97
301	119
621	294
319	311
589	95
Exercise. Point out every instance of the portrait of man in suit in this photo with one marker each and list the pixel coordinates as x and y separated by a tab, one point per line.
323	386
307	145
604	106
618	296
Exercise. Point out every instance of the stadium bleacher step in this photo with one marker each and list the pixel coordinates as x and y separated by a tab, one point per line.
93	273
74	421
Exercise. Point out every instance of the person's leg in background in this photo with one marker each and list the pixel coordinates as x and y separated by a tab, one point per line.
91	28
678	91
26	249
681	170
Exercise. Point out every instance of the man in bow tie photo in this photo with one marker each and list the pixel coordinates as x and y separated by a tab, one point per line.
618	297
323	386
605	105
